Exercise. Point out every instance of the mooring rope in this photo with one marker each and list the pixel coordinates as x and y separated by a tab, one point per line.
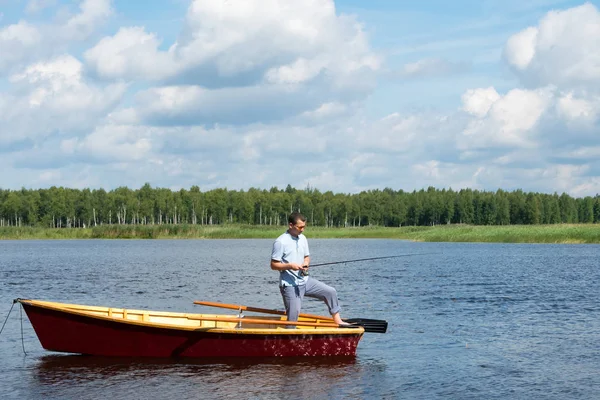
22	337
9	311
21	314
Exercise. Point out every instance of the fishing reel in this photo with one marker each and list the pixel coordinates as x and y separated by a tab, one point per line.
304	273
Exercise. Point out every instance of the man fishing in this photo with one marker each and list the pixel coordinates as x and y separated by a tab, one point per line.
291	257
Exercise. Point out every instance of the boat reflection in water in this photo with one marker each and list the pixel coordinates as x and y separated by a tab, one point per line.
104	377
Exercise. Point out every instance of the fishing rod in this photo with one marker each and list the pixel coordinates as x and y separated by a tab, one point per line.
367	259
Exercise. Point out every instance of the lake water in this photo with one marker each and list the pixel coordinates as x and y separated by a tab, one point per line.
467	321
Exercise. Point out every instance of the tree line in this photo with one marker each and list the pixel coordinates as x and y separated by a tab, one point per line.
59	207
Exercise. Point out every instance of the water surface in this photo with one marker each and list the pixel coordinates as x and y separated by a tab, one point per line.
467	321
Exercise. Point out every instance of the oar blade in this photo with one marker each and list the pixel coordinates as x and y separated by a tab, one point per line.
370	325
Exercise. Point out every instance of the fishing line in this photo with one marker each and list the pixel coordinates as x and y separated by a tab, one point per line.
305	273
368	259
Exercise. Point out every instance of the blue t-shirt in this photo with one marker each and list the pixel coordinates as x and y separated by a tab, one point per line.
290	249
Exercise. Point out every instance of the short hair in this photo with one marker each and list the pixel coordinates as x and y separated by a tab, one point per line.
295	217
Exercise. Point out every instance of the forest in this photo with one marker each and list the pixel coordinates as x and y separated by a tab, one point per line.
59	207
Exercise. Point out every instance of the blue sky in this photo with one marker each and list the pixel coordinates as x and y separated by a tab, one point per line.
343	95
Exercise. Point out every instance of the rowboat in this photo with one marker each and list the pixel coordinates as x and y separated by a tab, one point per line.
107	331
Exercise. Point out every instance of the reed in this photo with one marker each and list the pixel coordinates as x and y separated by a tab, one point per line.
559	233
183	232
27	232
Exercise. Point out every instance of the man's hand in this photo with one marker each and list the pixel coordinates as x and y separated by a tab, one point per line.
295	266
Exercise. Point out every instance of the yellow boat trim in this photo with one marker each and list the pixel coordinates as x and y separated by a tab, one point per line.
214	323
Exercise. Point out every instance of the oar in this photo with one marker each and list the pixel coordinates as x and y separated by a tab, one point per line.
256	309
370	325
262	321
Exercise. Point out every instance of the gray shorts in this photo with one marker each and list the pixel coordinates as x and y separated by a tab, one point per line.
293	295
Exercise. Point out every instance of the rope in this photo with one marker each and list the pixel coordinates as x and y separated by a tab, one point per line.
22	337
9	311
21	313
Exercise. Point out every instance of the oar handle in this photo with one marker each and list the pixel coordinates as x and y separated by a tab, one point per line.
238	307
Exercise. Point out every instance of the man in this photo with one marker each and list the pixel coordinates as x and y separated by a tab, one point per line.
290	256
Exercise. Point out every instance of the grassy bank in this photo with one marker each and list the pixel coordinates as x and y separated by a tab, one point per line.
561	233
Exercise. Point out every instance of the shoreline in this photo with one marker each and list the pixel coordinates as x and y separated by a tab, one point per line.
556	233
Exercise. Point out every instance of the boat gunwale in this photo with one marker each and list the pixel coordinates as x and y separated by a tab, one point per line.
85	311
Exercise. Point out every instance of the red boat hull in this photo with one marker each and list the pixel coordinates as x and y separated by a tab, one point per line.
71	333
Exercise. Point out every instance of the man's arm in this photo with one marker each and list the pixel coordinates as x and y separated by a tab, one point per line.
280	266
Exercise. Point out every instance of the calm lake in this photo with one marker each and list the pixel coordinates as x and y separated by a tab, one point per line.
467	321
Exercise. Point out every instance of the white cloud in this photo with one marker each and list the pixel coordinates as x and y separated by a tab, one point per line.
129	54
110	143
519	110
520	48
16	41
479	101
48	79
58	85
561	176
406	138
49	177
244	61
301	70
25	42
590	187
50	97
189	105
430	169
393	133
546	135
242	35
92	14
510	121
563	50
281	40
326	110
580	109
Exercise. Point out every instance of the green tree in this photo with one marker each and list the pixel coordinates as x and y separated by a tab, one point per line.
503	208
597	209
532	209
586	209
11	208
568	209
465	209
